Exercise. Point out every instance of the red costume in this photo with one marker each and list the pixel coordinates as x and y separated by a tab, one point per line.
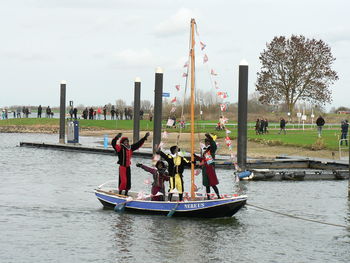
124	153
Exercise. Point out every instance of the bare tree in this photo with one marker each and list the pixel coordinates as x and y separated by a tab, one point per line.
146	105
296	69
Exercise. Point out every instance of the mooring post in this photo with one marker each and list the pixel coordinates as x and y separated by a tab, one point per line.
137	94
242	115
62	112
158	100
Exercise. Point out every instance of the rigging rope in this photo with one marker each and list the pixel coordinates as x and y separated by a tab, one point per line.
297	217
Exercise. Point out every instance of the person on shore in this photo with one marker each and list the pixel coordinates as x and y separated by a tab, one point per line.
105	112
40	109
176	166
266	124
71	112
99	112
150	116
257	126
344	132
75	113
18	112
282	126
320	122
112	112
124	151
91	113
85	113
207	162
159	176
48	112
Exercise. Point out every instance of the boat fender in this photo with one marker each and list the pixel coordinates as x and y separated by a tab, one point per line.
244	174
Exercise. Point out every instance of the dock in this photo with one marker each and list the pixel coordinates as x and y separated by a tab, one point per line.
281	168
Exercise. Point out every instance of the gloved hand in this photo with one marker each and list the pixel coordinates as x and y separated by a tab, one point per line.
118	135
139	164
146	135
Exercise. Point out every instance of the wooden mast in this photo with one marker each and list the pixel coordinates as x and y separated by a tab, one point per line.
193	23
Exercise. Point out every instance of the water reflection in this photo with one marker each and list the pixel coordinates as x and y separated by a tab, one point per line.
124	230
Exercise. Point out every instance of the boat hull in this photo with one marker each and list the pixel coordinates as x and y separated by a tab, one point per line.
225	207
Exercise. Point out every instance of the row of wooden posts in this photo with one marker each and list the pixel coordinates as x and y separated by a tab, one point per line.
157	123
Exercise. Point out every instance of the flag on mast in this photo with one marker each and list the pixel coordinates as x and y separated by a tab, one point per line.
213	72
205	58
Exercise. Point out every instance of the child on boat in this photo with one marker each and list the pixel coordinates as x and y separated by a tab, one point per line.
208	165
176	165
124	151
159	176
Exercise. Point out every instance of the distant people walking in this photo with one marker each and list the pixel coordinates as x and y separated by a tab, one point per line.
40	109
282	126
320	122
344	132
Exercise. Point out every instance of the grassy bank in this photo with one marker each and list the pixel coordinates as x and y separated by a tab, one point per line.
295	137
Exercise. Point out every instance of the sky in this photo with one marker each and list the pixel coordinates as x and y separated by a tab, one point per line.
99	47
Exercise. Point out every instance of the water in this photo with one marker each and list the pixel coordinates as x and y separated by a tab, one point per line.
48	213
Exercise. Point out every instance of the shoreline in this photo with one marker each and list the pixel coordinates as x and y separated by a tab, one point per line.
254	149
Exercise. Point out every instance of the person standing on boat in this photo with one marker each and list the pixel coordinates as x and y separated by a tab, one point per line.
176	165
208	165
159	176
124	151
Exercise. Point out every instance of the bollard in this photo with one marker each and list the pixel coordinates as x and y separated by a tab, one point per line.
62	112
158	100
105	141
137	95
242	115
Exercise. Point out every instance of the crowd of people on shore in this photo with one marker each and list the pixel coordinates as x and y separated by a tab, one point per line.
261	126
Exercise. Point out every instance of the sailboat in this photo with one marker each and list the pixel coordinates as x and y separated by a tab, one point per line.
195	204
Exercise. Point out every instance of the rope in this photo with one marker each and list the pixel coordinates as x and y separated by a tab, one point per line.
296	217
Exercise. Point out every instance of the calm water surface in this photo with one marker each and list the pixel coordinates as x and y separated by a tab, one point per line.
48	213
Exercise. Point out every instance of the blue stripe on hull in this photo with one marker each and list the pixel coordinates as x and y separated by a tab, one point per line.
207	208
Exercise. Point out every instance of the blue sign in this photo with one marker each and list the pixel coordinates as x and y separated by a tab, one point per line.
166	94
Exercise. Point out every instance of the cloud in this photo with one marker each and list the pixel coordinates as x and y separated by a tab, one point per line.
135	58
25	56
176	24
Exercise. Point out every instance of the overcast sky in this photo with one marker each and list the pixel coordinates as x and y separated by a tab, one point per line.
100	46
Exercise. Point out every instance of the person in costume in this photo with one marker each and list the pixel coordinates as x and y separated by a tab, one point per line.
176	165
207	162
124	151
159	176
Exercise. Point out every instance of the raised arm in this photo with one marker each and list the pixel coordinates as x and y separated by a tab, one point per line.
147	168
138	144
114	144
